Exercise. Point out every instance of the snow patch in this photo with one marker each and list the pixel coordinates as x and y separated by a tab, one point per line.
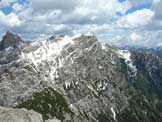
67	85
113	58
100	67
66	40
77	36
47	51
101	86
103	47
8	49
127	56
114	114
52	72
89	34
92	89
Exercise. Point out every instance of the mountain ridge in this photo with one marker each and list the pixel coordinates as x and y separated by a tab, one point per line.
10	40
77	79
154	50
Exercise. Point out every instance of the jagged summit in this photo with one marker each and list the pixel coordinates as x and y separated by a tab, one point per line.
10	40
75	36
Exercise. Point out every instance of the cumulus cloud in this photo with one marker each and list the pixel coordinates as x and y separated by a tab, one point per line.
10	20
87	12
78	11
39	19
136	19
54	4
4	3
17	7
135	37
158	9
55	20
146	39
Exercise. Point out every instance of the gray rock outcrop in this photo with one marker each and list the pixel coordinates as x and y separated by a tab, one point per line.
19	115
10	40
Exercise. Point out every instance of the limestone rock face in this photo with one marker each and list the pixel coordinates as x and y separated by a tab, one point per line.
53	120
10	40
77	79
19	115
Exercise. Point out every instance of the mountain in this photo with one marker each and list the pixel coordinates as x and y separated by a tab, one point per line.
76	79
10	40
156	50
21	115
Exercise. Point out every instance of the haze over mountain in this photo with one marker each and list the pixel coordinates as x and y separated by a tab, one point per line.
156	50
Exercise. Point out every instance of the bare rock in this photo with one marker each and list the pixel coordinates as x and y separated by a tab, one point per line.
19	115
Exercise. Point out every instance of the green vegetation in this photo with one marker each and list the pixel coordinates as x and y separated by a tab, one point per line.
104	118
49	103
144	104
141	109
122	67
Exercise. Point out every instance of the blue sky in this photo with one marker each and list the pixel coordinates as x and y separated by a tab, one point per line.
8	9
139	7
117	22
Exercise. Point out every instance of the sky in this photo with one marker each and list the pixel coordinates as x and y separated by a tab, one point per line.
116	22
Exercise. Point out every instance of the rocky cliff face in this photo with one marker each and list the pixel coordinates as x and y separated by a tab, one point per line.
10	40
157	51
19	115
76	79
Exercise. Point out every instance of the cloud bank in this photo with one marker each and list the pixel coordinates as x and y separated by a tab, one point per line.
108	19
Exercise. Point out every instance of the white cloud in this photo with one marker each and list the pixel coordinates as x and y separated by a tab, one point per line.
156	1
139	38
80	11
158	9
135	37
4	3
94	11
54	4
17	7
159	44
136	19
10	20
42	18
137	2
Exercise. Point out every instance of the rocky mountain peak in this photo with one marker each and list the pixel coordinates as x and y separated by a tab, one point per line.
10	40
77	79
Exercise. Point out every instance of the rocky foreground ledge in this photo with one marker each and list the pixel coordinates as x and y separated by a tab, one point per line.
21	115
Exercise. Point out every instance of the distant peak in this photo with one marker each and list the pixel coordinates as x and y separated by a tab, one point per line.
89	34
74	36
10	40
9	33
